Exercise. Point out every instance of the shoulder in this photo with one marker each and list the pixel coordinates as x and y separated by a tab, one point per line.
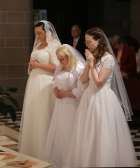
107	57
54	45
79	68
108	60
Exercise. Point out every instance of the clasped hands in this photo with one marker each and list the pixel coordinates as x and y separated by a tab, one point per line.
60	93
90	58
33	64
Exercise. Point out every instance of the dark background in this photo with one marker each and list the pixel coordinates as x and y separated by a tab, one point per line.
64	15
111	15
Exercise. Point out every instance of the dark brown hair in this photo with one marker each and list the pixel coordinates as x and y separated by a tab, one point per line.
98	34
40	24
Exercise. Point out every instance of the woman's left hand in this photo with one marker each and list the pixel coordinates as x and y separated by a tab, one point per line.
62	94
34	64
59	93
90	58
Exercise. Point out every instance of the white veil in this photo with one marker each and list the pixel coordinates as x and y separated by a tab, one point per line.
79	58
51	35
51	39
117	84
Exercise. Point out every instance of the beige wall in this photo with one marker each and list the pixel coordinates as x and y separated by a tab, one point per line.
15	43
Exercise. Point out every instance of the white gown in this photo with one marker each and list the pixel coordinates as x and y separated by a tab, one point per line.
101	136
37	107
63	117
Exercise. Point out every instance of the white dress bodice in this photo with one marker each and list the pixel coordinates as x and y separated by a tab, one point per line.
41	55
67	80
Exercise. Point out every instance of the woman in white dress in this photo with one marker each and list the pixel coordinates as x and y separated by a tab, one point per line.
61	126
101	136
38	100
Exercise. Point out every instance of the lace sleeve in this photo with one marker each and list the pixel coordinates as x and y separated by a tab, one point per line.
108	61
79	89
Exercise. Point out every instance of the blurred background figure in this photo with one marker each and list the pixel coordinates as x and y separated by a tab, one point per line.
138	62
114	41
77	40
126	56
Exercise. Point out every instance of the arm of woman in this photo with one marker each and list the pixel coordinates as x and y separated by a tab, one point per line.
67	93
85	75
100	78
47	67
106	70
29	69
63	93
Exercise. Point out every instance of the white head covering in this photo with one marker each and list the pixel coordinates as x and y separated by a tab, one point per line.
79	58
51	35
51	39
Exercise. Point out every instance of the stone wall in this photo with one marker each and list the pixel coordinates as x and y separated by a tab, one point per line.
15	43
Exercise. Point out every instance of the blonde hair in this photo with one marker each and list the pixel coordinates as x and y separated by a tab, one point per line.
72	61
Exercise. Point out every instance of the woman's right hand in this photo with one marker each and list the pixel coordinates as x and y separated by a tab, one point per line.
90	58
57	93
60	93
34	64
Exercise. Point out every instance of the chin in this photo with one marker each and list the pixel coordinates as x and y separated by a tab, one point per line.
91	49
